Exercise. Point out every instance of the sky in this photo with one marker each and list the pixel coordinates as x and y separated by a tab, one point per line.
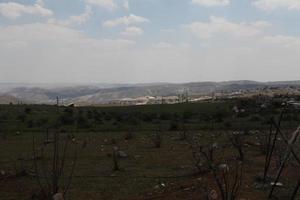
143	41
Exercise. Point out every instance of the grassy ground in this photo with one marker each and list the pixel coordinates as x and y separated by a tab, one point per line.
148	172
142	173
195	116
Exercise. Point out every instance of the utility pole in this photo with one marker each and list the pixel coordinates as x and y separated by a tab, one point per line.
186	96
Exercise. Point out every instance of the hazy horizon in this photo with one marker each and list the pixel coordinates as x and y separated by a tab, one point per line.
134	83
150	41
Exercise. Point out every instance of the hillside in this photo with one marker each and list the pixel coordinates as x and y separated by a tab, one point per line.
6	99
101	93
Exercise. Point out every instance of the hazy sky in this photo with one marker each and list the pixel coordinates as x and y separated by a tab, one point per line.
119	41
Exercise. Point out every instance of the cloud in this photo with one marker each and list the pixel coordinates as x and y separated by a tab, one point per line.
126	20
283	40
275	4
41	3
217	26
13	10
162	45
43	52
108	4
75	19
126	5
132	31
167	30
48	52
45	33
211	3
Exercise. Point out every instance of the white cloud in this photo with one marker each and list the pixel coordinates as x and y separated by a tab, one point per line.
275	4
162	45
210	3
220	26
13	10
75	19
49	33
283	40
52	53
168	30
41	3
49	52
108	4
132	31
126	20
126	5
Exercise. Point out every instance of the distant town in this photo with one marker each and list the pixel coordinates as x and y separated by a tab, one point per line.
276	93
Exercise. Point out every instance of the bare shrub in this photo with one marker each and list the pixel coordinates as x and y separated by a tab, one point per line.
228	177
183	133
115	159
156	139
262	138
52	171
237	141
229	180
201	155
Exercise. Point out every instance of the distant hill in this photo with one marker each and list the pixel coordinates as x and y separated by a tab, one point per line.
6	99
102	93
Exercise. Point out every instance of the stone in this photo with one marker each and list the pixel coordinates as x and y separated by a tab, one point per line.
156	187
277	184
215	145
122	154
189	189
224	167
115	148
2	173
58	196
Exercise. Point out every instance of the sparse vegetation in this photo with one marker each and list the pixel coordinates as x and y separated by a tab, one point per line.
198	152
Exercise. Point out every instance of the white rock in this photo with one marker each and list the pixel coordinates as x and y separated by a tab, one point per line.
224	167
58	196
122	154
277	184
